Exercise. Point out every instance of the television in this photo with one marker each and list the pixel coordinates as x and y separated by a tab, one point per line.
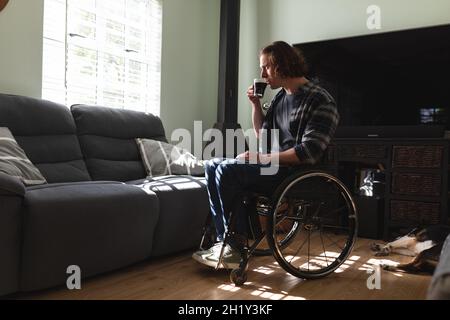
388	81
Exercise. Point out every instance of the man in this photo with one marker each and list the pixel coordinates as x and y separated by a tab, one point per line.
306	118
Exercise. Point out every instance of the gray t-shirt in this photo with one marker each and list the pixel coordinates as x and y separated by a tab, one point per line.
282	119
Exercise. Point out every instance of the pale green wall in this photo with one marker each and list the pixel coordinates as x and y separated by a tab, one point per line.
297	21
306	20
248	56
21	47
190	50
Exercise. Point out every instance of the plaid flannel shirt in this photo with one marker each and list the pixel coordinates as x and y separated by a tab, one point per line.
312	123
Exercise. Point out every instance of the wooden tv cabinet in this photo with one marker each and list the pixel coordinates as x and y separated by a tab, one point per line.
416	178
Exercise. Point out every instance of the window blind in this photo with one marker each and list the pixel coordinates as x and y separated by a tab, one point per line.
103	52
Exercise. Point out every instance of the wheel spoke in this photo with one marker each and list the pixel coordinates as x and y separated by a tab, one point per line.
309	244
323	247
300	248
334	242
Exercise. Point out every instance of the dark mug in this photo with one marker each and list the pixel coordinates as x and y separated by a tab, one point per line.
259	86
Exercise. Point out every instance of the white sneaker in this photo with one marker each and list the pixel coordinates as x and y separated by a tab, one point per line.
203	253
231	258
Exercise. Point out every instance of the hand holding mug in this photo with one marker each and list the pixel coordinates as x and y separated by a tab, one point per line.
252	97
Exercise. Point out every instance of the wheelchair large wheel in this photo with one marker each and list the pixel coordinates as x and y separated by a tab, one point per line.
312	236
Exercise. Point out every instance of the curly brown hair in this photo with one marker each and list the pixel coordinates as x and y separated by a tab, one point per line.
287	60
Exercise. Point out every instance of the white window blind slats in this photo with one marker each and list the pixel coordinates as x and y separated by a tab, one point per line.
107	53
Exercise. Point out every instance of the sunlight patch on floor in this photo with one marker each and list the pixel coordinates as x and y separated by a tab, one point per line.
264	292
294	298
264	270
228	287
344	266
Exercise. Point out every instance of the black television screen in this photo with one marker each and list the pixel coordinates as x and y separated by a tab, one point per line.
394	78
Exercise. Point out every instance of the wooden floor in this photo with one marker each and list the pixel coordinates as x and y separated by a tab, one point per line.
181	278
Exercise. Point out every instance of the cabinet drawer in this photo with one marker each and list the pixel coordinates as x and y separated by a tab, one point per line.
361	151
416	184
417	156
414	212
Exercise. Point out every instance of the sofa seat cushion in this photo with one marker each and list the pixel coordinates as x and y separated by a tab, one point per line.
98	226
184	206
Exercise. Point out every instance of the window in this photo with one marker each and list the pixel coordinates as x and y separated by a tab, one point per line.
103	52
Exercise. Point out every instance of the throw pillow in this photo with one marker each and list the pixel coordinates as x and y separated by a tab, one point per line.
14	162
162	158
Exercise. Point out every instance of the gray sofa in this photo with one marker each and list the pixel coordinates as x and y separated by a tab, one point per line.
98	210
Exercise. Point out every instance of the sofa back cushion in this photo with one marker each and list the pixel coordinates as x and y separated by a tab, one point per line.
107	137
46	132
15	163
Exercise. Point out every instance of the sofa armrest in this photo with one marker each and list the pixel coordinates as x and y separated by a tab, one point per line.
11	185
12	192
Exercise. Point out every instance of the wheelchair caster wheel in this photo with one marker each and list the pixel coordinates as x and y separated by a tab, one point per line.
238	277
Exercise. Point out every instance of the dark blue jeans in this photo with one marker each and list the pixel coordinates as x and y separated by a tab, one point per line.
228	180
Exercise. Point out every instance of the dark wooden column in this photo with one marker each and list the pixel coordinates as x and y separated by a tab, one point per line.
228	68
228	61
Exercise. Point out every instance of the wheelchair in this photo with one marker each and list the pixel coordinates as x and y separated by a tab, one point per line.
309	224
